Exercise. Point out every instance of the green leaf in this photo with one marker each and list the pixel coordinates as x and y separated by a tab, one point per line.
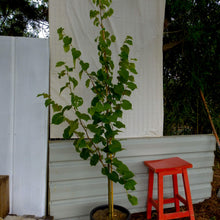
95	100
66	48
93	128
113	38
74	125
85	154
48	102
98	138
82	143
119	89
115	146
93	13
124	51
117	162
61	74
60	33
119	124
84	66
94	159
45	95
66	108
130	42
128	37
99	107
134	59
121	167
87	83
132	68
62	88
58	119
127	92
126	105
80	74
106	106
128	174
69	69
131	85
91	111
82	116
60	63
132	199
76	100
56	107
67	40
74	81
124	74
130	185
96	22
75	53
108	160
105	171
131	78
67	134
108	13
113	176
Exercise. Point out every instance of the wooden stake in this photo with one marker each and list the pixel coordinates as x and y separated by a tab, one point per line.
110	193
210	118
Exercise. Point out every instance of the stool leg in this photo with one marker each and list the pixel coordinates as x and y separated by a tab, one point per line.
188	194
160	197
150	193
175	192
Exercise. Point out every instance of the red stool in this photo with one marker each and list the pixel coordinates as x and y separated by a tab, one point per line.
171	166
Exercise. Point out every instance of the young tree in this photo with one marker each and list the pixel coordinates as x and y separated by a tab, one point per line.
22	17
191	65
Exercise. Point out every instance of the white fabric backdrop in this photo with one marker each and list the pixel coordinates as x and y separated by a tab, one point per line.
143	20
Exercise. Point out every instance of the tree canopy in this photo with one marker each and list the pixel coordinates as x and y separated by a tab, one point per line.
191	65
22	17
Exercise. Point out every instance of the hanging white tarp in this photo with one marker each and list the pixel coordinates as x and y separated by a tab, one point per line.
143	20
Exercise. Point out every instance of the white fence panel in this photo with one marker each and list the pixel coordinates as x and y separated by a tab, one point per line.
75	187
24	73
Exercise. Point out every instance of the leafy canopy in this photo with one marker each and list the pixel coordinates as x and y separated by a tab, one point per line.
23	17
191	64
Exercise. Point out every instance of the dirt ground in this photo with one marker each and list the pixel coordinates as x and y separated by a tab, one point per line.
206	210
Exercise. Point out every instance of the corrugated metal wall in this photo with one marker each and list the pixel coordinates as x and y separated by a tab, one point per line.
75	187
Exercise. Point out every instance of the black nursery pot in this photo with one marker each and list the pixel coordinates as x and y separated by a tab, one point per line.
120	208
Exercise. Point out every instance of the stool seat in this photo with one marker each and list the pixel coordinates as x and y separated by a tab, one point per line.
170	166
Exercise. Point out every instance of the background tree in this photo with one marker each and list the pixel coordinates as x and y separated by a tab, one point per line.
23	17
191	65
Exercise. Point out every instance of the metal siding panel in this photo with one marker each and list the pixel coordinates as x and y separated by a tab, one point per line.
64	151
82	188
72	179
81	169
82	207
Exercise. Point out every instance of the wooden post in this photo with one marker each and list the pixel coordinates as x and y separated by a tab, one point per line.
4	196
210	118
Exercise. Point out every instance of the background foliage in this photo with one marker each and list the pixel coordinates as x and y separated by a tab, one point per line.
23	17
191	63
